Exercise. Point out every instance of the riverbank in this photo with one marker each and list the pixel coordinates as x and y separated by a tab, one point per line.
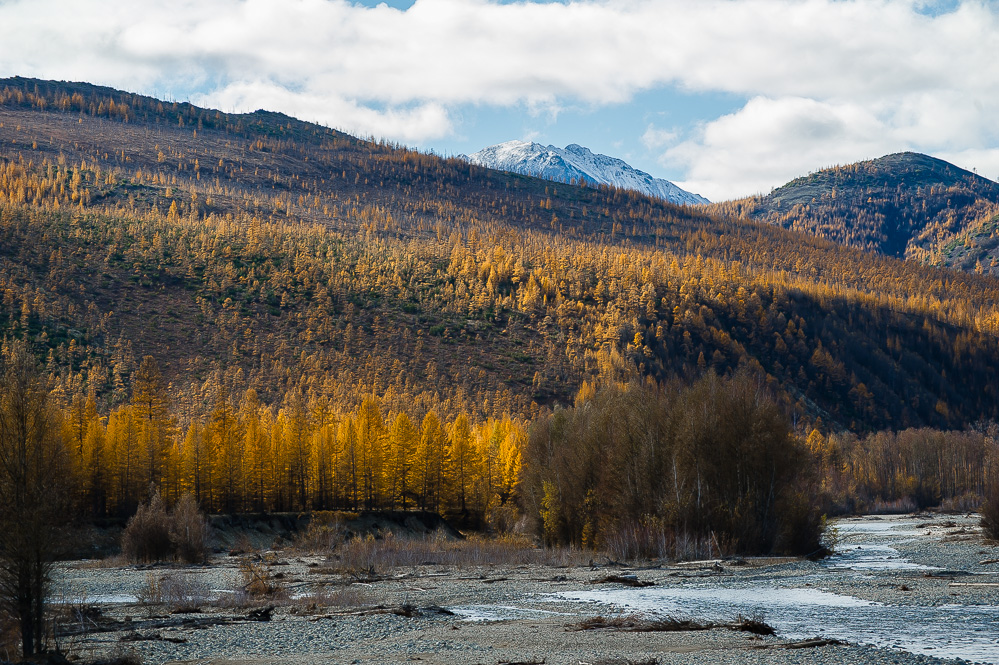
530	611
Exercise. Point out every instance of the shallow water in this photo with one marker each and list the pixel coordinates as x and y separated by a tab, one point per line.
476	613
797	611
97	599
954	631
868	556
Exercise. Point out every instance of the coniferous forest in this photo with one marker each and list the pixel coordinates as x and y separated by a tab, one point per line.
273	315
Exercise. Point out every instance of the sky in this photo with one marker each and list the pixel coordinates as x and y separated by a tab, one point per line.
726	98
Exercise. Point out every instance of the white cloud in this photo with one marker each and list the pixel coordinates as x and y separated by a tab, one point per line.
655	137
828	79
770	141
413	123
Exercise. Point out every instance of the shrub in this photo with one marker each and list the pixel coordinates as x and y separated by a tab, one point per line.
324	534
189	531
968	502
180	593
147	535
349	596
258	582
155	534
504	519
902	506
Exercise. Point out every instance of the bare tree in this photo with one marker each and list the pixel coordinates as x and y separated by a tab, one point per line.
34	472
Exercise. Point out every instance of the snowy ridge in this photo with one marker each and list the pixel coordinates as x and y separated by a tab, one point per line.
575	163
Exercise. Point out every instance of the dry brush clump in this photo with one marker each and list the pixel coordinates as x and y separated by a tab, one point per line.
653	539
339	596
179	593
155	533
369	554
325	533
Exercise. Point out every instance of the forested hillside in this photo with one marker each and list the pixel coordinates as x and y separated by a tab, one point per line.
261	252
905	205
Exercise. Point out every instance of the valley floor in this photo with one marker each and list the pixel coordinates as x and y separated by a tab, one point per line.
907	589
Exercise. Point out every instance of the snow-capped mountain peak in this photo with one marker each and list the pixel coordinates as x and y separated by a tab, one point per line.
575	163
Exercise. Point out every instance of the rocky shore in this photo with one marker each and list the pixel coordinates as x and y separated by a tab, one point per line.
536	612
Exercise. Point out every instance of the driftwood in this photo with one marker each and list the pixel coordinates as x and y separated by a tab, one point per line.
150	637
627	580
813	643
261	613
406	610
113	626
633	624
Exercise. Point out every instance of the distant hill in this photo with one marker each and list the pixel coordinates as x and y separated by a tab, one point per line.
256	251
906	205
574	163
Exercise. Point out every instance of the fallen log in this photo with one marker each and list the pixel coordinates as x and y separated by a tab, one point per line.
627	580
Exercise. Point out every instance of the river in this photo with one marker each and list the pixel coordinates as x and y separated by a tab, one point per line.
857	595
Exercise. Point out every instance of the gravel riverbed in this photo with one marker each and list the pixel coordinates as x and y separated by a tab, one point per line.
919	571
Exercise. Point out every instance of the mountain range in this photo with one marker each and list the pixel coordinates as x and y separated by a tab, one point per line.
576	164
255	252
905	205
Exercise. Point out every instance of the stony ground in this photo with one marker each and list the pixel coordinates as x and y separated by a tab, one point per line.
480	614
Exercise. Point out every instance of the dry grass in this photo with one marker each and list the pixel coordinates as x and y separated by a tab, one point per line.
113	561
368	555
902	506
179	593
965	503
630	542
324	597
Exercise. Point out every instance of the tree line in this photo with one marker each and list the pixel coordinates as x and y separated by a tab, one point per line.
306	453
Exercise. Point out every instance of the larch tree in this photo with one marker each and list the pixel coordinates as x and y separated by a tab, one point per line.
402	440
430	460
34	477
152	418
461	455
370	444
